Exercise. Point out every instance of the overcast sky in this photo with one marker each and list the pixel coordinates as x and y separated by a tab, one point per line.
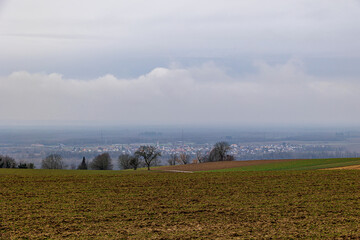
204	62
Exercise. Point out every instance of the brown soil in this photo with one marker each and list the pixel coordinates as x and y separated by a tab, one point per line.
219	165
353	167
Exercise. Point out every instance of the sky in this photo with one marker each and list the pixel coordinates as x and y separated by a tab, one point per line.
158	62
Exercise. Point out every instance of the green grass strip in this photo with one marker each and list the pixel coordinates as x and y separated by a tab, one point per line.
306	164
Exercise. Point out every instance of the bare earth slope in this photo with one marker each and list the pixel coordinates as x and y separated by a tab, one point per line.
353	167
220	165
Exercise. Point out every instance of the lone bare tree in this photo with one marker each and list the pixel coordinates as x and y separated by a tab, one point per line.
148	154
53	161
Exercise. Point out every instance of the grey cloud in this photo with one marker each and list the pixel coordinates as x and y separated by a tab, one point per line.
85	39
187	29
50	36
282	94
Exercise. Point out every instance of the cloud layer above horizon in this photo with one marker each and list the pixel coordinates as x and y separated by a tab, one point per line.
293	62
279	94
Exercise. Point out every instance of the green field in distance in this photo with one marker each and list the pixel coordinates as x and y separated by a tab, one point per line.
304	164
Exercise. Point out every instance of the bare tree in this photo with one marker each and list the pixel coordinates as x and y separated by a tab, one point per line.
222	148
148	153
134	162
124	161
219	152
200	157
53	161
24	165
173	159
7	162
229	158
127	161
184	158
102	162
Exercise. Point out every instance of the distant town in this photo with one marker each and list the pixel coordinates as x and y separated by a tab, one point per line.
34	144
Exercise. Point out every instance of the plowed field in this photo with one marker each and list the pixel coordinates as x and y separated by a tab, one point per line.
74	204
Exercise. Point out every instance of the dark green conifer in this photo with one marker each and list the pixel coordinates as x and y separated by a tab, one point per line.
83	165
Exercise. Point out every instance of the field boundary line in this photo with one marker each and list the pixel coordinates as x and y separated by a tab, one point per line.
178	171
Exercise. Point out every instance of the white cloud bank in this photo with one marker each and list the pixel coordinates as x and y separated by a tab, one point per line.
281	94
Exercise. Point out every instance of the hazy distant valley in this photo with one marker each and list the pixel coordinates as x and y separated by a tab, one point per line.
34	144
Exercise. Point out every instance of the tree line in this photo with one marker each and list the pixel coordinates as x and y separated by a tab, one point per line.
9	162
144	156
